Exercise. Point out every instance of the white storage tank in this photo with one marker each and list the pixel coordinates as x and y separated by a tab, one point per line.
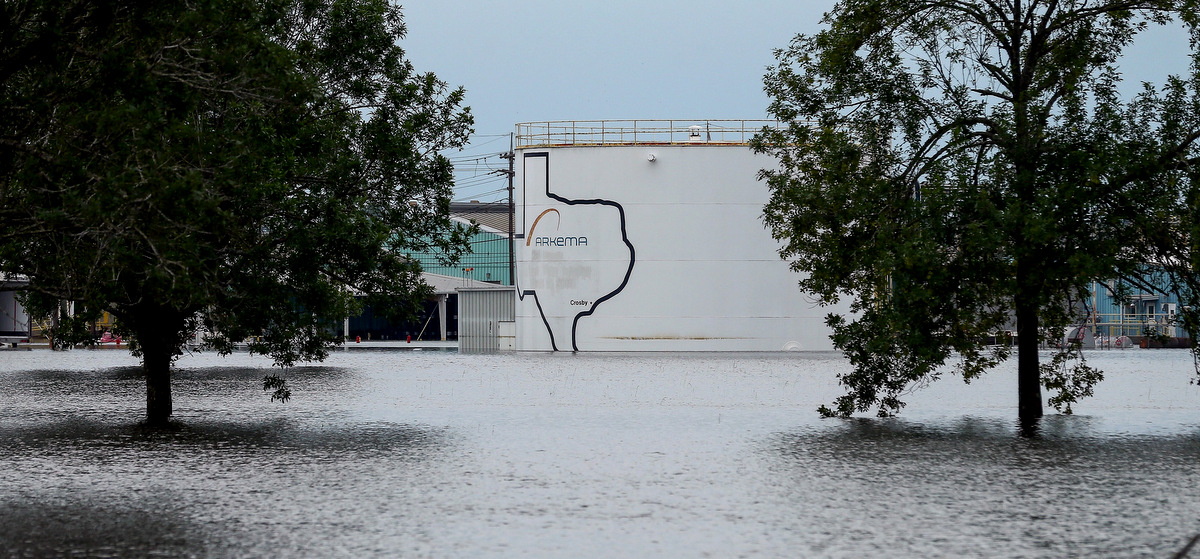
648	236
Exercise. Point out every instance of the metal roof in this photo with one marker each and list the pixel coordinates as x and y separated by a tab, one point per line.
448	285
491	216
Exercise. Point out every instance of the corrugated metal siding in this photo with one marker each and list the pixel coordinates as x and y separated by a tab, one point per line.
480	312
1144	310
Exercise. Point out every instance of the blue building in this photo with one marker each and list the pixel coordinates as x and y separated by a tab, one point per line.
486	265
488	260
1145	308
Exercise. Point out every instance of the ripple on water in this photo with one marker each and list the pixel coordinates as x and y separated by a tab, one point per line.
440	454
972	486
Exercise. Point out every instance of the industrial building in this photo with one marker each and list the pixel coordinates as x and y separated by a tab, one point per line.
488	260
485	268
1123	312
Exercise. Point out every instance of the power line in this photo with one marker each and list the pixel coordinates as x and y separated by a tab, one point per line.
464	158
498	190
474	181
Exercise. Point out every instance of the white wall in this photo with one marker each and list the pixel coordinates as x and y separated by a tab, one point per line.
706	274
14	321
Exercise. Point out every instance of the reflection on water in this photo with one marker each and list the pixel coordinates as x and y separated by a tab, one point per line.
67	527
438	454
971	486
277	435
219	488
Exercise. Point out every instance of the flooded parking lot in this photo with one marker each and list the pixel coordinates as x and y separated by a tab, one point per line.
422	453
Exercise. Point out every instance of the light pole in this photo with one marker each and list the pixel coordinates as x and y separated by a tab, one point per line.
511	157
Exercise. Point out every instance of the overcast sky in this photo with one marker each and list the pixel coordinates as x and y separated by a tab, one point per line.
534	60
530	60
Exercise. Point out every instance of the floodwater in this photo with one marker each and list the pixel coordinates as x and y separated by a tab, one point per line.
437	454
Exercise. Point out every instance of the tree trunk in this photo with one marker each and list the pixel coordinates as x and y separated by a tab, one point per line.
159	332
1029	379
157	364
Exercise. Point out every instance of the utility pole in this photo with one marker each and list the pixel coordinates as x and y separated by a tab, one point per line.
511	156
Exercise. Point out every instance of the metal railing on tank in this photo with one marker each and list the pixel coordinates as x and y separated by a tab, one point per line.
640	132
